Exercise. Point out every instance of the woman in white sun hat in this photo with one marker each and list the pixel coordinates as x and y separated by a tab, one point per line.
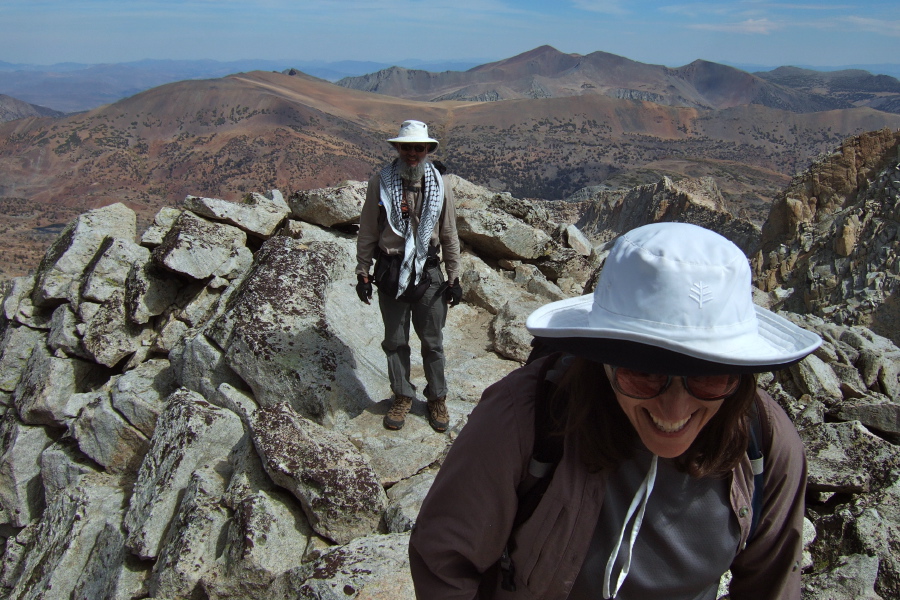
653	409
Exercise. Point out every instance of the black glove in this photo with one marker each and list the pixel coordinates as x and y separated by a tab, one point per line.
364	288
453	293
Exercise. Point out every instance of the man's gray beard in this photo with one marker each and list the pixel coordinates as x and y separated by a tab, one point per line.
411	174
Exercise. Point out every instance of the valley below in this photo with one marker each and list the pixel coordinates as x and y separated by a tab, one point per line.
253	132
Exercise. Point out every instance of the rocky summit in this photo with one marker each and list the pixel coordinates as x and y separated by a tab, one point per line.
829	247
194	410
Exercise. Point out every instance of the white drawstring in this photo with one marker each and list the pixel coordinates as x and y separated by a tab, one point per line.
640	497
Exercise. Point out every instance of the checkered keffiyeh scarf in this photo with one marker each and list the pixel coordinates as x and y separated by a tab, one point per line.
415	250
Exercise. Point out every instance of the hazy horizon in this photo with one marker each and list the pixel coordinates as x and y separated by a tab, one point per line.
893	67
828	34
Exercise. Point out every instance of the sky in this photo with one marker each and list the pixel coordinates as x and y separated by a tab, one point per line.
825	33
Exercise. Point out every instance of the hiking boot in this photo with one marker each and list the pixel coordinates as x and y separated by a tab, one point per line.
396	416
438	417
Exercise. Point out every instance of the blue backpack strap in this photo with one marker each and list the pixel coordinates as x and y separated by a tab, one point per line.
757	463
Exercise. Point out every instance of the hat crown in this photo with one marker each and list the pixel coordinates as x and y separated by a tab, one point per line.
412	131
412	128
676	279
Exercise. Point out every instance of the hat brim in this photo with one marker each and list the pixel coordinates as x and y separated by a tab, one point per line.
564	325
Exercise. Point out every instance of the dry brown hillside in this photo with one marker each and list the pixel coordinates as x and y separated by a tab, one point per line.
256	131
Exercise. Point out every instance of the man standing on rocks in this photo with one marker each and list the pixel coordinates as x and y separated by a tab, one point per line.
408	224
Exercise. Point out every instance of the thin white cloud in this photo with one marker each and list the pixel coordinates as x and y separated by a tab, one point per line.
879	26
694	9
750	26
782	6
748	8
408	7
286	7
609	7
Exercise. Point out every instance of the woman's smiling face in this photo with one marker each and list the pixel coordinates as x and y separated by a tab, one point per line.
668	423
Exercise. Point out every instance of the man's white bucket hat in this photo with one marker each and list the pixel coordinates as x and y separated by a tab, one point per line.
412	132
676	298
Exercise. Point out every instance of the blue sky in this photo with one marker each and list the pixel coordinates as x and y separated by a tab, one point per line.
823	33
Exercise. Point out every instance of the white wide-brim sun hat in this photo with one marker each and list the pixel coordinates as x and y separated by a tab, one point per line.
670	297
414	132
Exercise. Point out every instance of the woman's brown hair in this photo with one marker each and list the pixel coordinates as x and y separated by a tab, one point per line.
605	436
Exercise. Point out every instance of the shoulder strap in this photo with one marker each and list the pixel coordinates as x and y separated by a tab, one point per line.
538	349
548	448
757	462
549	412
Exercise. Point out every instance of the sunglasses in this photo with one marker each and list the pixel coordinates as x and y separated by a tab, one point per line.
643	386
416	147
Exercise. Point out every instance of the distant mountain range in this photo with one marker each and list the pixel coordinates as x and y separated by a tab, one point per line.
73	87
548	73
849	87
13	108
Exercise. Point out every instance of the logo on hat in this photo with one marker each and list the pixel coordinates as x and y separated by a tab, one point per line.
700	294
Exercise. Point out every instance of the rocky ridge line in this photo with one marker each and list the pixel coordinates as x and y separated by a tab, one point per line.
183	414
830	246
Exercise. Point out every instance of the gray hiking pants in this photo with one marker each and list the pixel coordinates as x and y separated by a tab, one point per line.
428	316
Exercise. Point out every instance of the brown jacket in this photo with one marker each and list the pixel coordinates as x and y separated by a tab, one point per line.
371	235
466	519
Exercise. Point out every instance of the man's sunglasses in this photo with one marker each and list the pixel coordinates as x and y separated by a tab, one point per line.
416	147
643	386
